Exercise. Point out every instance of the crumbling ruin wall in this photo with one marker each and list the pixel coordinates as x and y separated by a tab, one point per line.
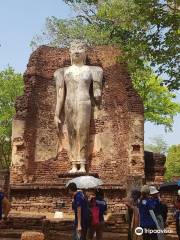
154	167
116	129
116	132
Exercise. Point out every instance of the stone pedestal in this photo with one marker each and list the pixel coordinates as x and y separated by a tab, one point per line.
65	177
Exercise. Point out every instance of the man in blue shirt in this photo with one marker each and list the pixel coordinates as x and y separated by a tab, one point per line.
160	210
80	207
148	219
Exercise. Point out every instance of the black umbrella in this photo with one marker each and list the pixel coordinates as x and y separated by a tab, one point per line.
169	186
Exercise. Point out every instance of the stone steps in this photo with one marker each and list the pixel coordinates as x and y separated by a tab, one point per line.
59	229
9	238
11	233
68	236
15	234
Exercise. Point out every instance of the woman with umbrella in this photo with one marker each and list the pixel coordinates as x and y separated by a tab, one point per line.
80	204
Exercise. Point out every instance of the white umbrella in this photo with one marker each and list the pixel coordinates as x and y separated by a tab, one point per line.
86	182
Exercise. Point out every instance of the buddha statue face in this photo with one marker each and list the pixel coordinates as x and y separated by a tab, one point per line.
78	52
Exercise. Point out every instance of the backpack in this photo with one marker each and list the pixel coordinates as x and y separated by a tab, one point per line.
94	213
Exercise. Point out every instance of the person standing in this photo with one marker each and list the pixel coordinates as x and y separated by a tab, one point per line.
132	215
79	206
158	210
98	208
129	216
1	203
177	214
148	219
135	196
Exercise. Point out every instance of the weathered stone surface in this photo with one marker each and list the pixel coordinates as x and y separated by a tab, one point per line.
115	228
116	132
78	87
116	128
154	167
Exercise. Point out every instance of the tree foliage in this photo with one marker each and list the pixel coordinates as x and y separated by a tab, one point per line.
158	145
146	31
173	162
159	105
152	34
11	86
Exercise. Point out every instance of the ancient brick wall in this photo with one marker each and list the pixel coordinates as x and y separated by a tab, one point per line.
43	200
169	197
116	129
154	167
116	133
154	174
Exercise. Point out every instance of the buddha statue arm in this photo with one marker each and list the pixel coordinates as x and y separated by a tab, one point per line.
97	76
60	93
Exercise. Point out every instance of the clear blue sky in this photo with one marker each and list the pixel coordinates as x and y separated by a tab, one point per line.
20	20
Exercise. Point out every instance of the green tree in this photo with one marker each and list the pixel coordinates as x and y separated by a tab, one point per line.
159	105
11	86
158	145
152	34
147	33
173	162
